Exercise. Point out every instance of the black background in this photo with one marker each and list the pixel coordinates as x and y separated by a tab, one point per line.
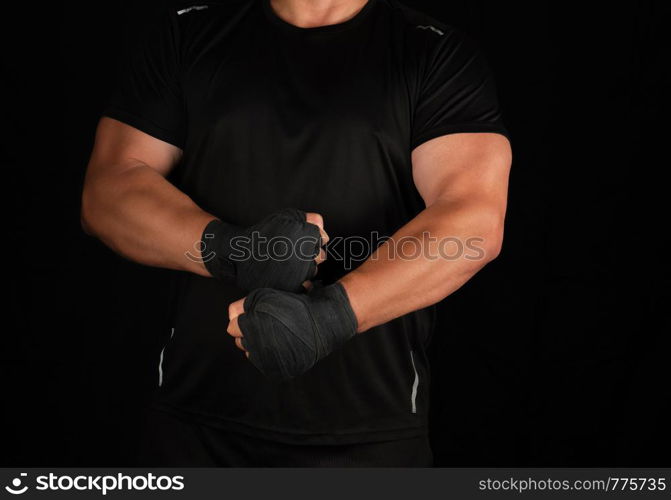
557	354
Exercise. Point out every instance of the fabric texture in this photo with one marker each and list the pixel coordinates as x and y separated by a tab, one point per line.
168	441
287	333
279	252
323	119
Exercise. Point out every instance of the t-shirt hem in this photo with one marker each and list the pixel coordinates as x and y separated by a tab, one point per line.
143	125
458	128
293	436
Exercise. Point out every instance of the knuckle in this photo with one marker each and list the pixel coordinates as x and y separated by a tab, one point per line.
316	219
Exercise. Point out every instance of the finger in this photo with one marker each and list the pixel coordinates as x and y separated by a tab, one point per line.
236	308
234	328
324	235
308	285
321	257
238	342
318	220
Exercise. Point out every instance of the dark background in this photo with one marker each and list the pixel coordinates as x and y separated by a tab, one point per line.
557	354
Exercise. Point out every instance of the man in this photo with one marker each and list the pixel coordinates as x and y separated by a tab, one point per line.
285	120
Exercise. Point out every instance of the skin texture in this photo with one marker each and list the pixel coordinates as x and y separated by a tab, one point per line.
314	13
130	206
463	179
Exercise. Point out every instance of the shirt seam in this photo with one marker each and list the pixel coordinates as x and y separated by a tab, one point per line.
466	127
142	124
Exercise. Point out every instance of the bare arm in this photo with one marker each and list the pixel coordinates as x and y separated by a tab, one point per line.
463	179
129	205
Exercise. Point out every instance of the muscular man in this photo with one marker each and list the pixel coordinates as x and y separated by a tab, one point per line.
276	119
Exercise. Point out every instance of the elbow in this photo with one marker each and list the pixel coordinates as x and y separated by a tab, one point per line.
493	250
492	243
486	244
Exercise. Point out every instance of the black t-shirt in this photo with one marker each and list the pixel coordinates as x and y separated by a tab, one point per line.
270	115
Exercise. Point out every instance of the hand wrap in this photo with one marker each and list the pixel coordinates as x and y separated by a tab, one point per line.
287	333
278	252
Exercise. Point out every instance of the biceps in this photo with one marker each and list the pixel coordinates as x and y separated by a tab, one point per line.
119	146
462	166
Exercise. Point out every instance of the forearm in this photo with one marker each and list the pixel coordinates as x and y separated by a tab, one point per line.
425	261
142	216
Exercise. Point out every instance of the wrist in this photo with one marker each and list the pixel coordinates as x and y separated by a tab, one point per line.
353	290
332	308
215	245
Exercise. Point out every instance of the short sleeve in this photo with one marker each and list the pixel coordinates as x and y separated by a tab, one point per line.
148	93
457	92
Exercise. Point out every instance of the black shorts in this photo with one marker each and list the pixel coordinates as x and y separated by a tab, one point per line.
168	441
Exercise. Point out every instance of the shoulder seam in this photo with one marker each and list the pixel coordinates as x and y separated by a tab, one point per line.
193	7
419	20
